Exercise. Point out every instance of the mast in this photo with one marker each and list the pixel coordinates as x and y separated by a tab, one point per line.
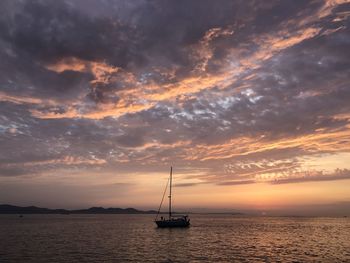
171	177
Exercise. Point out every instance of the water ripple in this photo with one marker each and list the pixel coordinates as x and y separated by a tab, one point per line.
134	238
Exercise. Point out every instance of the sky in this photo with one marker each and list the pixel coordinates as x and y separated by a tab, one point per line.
249	101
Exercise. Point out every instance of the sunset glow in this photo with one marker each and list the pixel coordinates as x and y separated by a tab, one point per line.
248	101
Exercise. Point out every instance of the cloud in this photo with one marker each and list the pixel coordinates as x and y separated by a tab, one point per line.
314	176
237	182
186	184
242	89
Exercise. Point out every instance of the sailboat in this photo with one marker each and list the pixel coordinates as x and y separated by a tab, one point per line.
171	221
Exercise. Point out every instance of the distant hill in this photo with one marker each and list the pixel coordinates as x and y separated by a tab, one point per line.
11	209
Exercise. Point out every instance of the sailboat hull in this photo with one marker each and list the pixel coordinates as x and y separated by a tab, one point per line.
172	223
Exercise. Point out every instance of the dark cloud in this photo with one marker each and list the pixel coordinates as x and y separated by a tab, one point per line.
15	171
49	31
185	185
237	182
138	36
145	48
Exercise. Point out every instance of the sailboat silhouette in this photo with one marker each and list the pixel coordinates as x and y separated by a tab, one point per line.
172	221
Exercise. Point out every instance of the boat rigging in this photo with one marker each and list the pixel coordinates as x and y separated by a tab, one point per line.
179	221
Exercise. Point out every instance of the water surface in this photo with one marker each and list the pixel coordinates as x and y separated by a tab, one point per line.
134	238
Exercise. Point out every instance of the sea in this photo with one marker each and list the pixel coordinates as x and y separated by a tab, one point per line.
210	238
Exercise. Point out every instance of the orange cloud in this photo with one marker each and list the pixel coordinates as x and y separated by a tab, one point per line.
67	160
139	95
25	100
243	146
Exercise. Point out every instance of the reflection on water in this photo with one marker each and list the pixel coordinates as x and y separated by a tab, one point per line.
121	238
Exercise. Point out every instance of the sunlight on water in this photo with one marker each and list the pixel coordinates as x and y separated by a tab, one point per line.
218	238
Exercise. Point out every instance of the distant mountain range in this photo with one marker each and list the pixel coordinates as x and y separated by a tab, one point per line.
11	209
